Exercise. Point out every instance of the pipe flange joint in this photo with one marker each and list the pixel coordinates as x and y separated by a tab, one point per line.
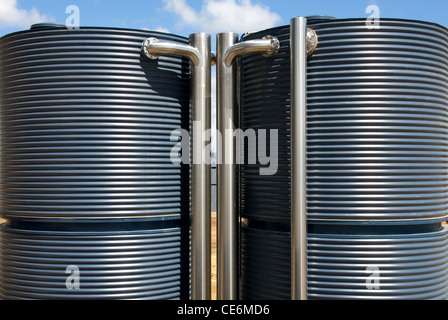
275	46
312	41
145	46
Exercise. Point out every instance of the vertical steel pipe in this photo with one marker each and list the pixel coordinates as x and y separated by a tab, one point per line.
298	160
226	185
227	51
201	174
199	53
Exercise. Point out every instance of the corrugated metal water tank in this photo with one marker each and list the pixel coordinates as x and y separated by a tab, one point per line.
86	124
377	122
87	178
343	264
112	263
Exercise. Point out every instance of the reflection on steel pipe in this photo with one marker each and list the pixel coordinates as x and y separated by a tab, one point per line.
298	159
226	178
201	172
227	51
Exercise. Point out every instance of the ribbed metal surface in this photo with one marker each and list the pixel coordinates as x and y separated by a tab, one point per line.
139	264
345	266
86	124
377	123
406	266
264	105
377	174
265	262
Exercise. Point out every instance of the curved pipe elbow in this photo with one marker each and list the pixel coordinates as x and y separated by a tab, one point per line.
269	46
153	48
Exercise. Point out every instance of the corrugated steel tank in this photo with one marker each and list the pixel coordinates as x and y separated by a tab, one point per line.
377	151
113	262
366	263
86	123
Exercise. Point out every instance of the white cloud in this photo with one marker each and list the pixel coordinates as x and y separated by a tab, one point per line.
162	29
224	15
12	16
216	16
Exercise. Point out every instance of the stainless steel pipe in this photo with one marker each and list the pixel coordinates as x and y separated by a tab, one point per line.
201	171
227	224
227	246
268	46
199	53
153	48
298	159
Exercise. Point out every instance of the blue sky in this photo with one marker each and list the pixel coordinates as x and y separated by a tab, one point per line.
212	16
188	16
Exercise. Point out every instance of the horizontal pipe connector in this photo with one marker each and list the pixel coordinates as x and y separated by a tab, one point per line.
268	47
153	48
213	58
